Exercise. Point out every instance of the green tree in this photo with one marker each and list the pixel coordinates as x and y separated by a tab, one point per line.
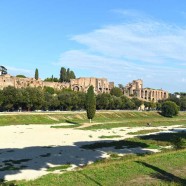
137	102
63	75
49	90
169	109
120	86
178	142
127	103
21	76
90	103
102	101
68	75
183	104
11	98
72	75
36	74
116	92
35	98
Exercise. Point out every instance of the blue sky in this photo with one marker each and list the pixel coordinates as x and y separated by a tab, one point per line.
121	40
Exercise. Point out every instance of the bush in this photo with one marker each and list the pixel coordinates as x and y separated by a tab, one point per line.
178	143
169	109
116	92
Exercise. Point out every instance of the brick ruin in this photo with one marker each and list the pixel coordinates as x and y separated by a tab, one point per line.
101	85
135	89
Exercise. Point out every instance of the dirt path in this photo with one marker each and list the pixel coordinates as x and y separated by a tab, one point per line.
85	125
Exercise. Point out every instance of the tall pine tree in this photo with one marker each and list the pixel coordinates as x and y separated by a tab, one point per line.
63	74
36	74
68	75
72	75
90	103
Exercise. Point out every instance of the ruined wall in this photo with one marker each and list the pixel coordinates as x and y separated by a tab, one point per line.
136	89
101	85
80	84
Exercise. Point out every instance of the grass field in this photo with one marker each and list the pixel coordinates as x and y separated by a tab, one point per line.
108	119
166	168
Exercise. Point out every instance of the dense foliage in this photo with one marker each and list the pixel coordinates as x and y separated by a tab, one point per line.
116	92
51	79
169	109
90	103
12	99
66	75
180	101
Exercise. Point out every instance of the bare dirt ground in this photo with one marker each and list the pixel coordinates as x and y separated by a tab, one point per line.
27	151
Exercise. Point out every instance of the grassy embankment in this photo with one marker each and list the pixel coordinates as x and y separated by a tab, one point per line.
168	168
107	119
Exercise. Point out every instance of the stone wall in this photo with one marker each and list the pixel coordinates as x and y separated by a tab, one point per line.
136	89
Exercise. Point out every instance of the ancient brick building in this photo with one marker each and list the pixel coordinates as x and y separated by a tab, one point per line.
80	84
101	85
135	89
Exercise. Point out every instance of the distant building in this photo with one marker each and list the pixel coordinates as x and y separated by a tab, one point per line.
3	70
135	89
101	85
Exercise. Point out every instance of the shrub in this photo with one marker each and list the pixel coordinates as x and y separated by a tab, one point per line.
169	109
178	143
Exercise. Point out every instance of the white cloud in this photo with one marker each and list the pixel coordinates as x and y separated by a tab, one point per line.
146	48
152	42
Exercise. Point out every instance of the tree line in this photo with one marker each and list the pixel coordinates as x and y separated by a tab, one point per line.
65	76
31	98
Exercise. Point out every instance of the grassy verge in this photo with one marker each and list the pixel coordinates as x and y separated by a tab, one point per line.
144	132
112	136
167	168
138	123
108	119
59	168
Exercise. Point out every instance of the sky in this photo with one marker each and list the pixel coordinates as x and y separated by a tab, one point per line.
121	40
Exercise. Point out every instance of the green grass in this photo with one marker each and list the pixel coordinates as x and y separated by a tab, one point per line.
144	132
71	125
138	123
112	136
60	168
167	168
153	141
108	119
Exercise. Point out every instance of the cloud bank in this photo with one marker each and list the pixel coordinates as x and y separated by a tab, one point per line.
139	48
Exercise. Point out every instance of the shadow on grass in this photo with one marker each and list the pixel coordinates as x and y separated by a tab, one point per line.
165	137
13	161
71	122
116	144
164	175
